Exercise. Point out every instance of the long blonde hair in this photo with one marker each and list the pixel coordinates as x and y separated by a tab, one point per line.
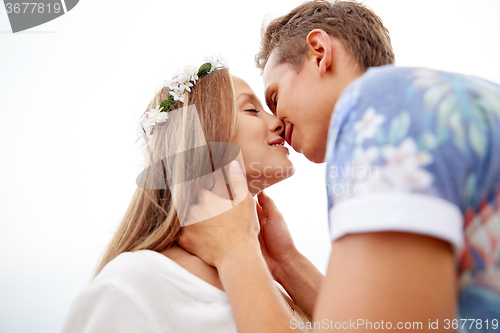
151	221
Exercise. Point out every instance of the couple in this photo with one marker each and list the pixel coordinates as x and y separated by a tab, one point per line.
414	222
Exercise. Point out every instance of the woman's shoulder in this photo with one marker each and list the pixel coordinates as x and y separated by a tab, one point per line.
130	266
147	291
169	271
136	268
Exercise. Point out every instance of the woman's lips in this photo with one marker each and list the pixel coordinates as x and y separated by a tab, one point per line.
281	147
279	143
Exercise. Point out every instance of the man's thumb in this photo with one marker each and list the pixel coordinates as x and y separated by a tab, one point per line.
268	205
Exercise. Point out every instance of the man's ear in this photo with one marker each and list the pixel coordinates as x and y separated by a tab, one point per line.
319	49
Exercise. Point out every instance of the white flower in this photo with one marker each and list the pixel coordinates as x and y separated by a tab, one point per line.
192	73
142	137
171	84
185	83
177	86
212	61
151	118
367	126
221	61
156	117
177	95
362	161
404	166
216	61
190	70
146	122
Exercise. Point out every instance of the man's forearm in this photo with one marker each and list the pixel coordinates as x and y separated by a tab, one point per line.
301	280
255	299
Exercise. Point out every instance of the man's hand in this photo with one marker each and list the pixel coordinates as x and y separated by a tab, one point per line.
300	278
276	242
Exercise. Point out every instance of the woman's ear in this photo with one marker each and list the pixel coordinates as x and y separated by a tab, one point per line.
319	49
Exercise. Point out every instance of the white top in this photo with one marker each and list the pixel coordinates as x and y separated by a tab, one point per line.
145	291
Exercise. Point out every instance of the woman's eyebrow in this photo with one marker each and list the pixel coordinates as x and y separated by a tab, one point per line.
249	96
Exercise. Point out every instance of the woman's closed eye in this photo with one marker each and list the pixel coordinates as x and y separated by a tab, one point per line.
253	110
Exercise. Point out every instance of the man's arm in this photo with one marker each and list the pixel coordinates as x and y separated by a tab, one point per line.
290	268
301	280
392	277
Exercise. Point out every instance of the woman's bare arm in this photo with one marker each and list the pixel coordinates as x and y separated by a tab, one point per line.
229	241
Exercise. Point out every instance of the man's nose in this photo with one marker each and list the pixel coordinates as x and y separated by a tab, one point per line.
286	123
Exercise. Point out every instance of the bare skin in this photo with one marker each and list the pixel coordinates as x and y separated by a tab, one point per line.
255	130
390	276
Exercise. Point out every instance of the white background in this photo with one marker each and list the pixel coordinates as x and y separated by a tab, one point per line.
71	90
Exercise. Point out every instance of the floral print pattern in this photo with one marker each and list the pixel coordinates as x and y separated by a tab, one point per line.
416	130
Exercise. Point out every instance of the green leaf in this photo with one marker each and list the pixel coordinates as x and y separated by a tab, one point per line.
458	129
380	136
427	141
163	104
435	94
167	104
399	127
204	69
445	111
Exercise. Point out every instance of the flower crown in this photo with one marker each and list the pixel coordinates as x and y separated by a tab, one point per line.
177	87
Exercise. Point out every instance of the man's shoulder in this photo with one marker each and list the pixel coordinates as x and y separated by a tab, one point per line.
418	77
390	77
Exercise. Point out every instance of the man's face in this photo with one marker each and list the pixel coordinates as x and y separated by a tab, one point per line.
304	101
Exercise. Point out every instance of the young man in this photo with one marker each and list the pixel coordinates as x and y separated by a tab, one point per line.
413	168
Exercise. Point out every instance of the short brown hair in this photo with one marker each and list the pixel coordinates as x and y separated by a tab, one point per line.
360	30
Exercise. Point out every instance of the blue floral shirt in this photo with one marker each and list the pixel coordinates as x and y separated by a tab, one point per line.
418	150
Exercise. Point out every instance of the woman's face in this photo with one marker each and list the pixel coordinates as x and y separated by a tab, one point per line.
258	135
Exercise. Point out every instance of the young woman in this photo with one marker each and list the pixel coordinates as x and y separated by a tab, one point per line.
145	282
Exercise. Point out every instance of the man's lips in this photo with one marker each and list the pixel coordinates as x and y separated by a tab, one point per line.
288	134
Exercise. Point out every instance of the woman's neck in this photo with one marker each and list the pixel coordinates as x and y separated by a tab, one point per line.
222	189
194	265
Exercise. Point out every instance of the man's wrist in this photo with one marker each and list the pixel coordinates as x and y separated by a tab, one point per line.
289	265
301	280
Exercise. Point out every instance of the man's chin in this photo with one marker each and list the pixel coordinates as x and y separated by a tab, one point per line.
314	155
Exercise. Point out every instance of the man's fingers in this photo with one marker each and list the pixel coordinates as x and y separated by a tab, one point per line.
260	213
237	181
267	205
